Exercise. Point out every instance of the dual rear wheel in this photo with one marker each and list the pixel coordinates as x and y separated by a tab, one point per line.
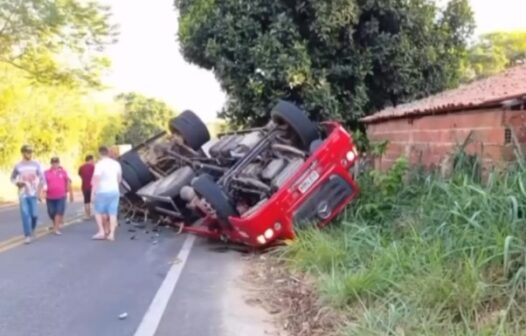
187	125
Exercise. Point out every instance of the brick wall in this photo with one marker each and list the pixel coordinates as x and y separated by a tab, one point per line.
429	139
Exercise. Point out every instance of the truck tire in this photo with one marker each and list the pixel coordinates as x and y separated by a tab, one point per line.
130	177
207	188
142	171
289	114
191	128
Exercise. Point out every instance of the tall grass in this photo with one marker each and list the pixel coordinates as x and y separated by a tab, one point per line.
418	254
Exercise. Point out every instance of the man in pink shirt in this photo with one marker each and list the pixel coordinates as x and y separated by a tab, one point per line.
58	186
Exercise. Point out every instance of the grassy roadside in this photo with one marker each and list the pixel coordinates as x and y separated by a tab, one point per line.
423	255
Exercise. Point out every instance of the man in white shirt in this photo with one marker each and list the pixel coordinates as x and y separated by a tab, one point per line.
105	193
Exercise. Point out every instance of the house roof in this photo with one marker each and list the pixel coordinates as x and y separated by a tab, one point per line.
486	92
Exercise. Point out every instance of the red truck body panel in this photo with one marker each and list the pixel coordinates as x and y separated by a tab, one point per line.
307	193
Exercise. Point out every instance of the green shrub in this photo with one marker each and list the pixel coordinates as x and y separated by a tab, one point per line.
418	254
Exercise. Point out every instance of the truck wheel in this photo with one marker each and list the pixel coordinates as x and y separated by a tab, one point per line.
142	171
205	186
191	128
285	113
130	177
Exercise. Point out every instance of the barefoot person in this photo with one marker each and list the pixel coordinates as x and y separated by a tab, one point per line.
86	175
28	177
58	186
105	193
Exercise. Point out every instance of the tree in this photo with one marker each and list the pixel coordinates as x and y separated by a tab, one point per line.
494	52
142	117
54	119
56	42
337	58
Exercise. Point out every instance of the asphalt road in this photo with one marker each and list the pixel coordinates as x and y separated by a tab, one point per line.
10	225
165	284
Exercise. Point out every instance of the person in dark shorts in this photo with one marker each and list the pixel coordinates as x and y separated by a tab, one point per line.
86	174
58	186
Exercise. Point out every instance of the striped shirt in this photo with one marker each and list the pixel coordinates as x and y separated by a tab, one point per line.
30	173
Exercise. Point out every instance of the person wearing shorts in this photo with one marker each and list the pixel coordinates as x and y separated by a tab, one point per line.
58	186
105	194
86	175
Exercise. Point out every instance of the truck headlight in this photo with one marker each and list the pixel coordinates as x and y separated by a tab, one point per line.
269	233
350	156
261	240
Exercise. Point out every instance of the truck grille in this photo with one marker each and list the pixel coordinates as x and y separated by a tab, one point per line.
323	201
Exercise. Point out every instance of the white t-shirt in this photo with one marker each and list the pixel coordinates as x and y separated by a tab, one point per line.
108	172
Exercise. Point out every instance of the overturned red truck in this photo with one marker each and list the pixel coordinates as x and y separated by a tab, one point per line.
255	187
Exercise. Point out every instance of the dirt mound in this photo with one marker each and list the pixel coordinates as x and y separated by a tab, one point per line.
290	297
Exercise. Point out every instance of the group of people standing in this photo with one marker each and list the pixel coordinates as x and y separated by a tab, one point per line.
100	185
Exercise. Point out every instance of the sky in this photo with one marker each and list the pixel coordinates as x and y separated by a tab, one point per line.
146	58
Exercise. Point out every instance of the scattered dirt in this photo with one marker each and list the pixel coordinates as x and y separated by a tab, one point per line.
290	298
240	316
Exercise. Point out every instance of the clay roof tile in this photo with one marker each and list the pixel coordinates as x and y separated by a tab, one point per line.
485	92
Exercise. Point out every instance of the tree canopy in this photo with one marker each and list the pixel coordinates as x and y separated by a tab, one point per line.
143	117
339	58
56	41
54	119
494	52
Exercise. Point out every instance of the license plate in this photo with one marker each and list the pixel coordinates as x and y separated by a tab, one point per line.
308	181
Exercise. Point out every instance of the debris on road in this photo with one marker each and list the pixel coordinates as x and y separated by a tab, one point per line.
176	261
123	316
254	187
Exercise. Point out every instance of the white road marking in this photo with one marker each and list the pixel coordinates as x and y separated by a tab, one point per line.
152	318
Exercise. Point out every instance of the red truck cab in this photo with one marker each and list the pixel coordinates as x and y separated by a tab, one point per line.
320	190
